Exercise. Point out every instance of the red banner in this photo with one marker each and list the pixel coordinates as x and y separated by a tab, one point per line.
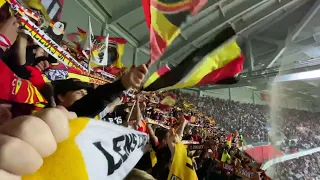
241	172
227	168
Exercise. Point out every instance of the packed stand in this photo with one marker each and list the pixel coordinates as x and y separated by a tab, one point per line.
154	134
305	167
252	121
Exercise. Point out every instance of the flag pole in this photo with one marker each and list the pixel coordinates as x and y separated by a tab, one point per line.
129	115
90	58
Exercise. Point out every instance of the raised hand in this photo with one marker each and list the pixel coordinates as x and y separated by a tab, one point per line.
135	77
26	140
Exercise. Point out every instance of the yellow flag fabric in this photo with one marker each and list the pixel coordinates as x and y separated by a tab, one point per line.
67	162
182	167
168	100
95	150
2	2
153	158
226	157
161	71
118	63
188	105
213	61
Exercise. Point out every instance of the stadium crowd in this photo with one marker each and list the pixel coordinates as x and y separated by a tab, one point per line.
305	167
252	120
25	62
35	116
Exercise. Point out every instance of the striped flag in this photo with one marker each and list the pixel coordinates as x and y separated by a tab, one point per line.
164	19
217	62
229	140
160	72
169	100
82	36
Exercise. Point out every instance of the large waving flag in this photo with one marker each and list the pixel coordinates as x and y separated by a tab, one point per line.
217	62
164	19
95	150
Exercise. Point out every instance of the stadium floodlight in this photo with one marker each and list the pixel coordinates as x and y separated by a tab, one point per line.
308	75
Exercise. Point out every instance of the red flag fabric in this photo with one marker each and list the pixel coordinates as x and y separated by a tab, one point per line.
15	89
229	139
164	19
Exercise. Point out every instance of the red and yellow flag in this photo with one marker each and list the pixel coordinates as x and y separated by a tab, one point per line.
229	139
217	62
164	19
169	100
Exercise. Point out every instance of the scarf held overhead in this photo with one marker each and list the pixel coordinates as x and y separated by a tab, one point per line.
42	39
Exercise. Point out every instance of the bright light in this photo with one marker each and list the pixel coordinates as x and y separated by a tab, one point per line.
308	75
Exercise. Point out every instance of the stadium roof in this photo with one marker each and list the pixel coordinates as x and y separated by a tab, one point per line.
270	32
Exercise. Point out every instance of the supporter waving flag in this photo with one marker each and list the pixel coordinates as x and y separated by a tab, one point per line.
164	19
217	62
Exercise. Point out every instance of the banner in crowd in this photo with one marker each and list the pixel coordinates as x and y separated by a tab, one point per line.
192	147
15	89
164	20
217	62
188	142
95	150
43	40
241	172
60	71
150	121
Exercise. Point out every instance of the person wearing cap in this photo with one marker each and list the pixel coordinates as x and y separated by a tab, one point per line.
86	101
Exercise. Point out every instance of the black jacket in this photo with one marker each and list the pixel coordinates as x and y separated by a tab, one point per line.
97	99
